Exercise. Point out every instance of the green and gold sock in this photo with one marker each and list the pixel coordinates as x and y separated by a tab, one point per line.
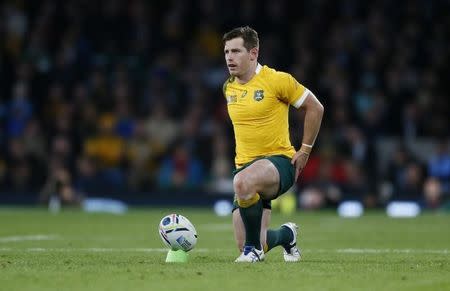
278	237
251	212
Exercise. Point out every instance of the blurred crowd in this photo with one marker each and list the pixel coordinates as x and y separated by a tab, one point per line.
126	96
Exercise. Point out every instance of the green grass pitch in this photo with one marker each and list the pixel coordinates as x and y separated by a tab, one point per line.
79	251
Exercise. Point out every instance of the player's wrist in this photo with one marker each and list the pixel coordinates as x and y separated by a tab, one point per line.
306	148
304	152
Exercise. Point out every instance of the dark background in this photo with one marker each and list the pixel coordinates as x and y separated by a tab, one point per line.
123	98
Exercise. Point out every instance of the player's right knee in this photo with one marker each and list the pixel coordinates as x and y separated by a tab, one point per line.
241	186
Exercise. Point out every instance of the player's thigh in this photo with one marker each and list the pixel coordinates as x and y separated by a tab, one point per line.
263	176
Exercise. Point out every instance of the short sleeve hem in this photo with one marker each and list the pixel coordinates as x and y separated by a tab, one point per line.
301	99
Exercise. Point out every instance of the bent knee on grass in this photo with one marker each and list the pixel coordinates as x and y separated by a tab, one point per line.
260	177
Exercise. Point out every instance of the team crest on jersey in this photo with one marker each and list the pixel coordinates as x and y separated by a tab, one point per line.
259	95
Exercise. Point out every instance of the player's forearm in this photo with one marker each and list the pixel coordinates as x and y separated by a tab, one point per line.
313	119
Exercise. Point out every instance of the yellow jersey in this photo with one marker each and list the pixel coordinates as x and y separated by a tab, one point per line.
259	112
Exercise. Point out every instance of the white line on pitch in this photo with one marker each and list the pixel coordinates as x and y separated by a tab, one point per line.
215	227
19	238
203	250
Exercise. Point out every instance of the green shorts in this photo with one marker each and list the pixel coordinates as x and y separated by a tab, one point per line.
286	171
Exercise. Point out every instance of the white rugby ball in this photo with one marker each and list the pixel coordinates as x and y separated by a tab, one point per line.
177	232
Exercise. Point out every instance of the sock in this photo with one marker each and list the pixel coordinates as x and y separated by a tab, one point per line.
278	237
251	213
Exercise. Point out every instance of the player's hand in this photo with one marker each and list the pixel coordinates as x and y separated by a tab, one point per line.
299	161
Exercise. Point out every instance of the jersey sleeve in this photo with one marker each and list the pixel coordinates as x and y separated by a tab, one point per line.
290	90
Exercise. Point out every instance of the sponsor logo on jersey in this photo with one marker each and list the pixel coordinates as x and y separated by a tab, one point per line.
231	99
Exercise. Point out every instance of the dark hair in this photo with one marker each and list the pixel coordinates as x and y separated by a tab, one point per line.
248	34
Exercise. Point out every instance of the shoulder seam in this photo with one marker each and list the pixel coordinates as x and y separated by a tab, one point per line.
224	87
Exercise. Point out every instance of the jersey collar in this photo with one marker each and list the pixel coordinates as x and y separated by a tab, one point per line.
258	68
